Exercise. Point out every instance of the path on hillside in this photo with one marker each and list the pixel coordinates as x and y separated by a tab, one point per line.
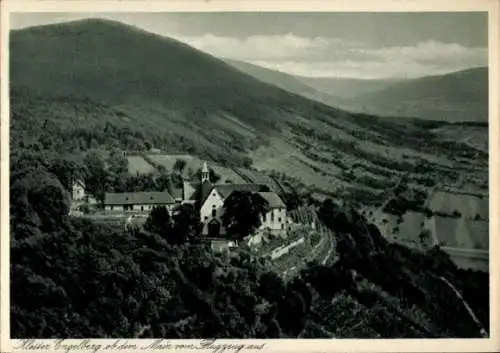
331	249
482	330
391	196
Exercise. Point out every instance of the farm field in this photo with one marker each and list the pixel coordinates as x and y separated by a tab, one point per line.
468	205
473	136
405	229
461	233
137	165
168	161
286	158
193	164
469	259
411	227
258	178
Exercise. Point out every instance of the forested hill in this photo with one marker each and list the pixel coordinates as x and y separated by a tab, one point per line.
93	73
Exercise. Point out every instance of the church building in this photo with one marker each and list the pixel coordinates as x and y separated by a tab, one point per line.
209	199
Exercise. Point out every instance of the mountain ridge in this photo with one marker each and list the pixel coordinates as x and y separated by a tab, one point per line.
100	60
457	96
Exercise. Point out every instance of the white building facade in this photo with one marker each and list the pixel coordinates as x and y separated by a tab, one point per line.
212	209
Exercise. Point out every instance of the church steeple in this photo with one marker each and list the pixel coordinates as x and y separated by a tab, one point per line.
205	174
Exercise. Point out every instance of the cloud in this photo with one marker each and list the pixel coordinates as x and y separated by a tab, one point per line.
259	46
430	52
327	57
357	69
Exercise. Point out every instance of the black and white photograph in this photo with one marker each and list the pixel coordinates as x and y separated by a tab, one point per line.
248	175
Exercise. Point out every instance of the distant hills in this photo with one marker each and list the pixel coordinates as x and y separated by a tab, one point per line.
455	97
346	87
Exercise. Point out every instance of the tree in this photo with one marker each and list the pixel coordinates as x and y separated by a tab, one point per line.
117	162
179	165
158	221
242	213
335	217
96	175
39	198
186	224
424	235
164	182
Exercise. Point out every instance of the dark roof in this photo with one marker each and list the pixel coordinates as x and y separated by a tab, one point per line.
205	189
138	198
225	190
195	194
273	199
177	193
201	191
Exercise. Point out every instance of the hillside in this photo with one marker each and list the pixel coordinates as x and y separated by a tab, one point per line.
276	78
99	72
454	97
292	84
98	83
346	88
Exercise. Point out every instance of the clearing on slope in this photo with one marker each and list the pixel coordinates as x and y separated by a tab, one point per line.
137	165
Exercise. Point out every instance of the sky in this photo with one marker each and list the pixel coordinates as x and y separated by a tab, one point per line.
354	45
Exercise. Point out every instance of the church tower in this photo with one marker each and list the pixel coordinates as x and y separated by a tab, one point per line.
205	174
205	185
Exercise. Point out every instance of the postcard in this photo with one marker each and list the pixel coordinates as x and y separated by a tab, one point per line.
249	176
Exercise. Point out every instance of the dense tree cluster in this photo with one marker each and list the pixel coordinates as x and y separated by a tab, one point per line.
75	278
75	124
